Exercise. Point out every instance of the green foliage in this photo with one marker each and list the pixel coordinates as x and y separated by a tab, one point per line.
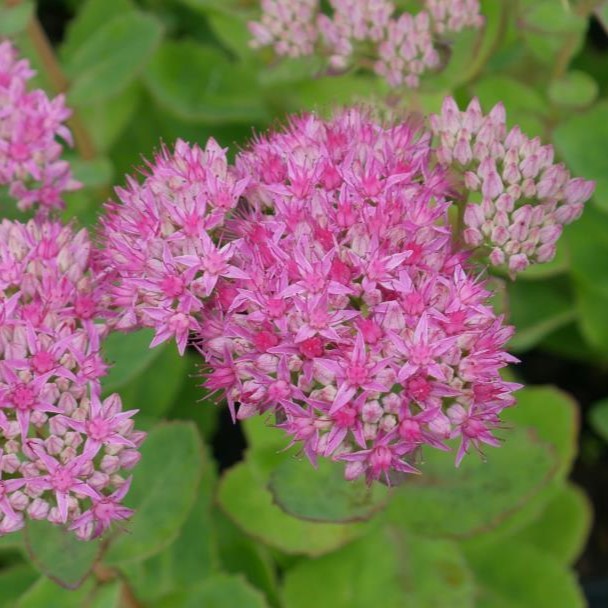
163	492
322	494
14	18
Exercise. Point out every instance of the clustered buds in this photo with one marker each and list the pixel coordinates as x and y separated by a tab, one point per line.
401	44
525	197
64	450
30	126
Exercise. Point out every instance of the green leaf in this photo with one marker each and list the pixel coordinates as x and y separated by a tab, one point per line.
477	496
106	120
588	243
163	491
386	568
581	141
574	89
15	580
47	594
155	389
512	574
221	90
537	309
322	493
58	554
246	484
190	559
563	527
110	59
130	355
220	591
554	416
14	19
598	418
239	554
231	28
86	23
549	28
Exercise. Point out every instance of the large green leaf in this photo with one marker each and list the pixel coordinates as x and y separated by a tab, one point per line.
155	389
477	496
112	57
581	141
129	355
58	554
220	591
163	491
322	494
189	560
575	89
199	83
91	13
513	574
562	528
387	568
244	497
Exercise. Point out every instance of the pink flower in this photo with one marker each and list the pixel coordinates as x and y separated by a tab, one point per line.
353	318
30	126
157	255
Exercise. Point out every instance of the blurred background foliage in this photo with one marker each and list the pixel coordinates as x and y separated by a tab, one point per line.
224	519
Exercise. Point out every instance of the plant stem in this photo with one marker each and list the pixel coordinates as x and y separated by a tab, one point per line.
37	36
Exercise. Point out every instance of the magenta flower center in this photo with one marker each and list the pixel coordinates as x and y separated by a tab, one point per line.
62	480
43	362
98	429
23	397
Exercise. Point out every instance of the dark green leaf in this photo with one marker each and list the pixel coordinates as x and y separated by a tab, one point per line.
322	493
58	554
109	60
163	491
246	484
199	83
130	355
15	580
477	496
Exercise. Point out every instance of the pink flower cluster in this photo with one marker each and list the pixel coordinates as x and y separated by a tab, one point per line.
30	125
402	44
525	197
357	326
157	241
64	450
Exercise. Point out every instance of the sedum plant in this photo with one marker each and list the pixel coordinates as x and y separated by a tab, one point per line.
335	280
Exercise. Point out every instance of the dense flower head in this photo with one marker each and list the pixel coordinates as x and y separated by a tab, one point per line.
63	449
31	126
525	197
357	324
401	45
454	15
157	241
